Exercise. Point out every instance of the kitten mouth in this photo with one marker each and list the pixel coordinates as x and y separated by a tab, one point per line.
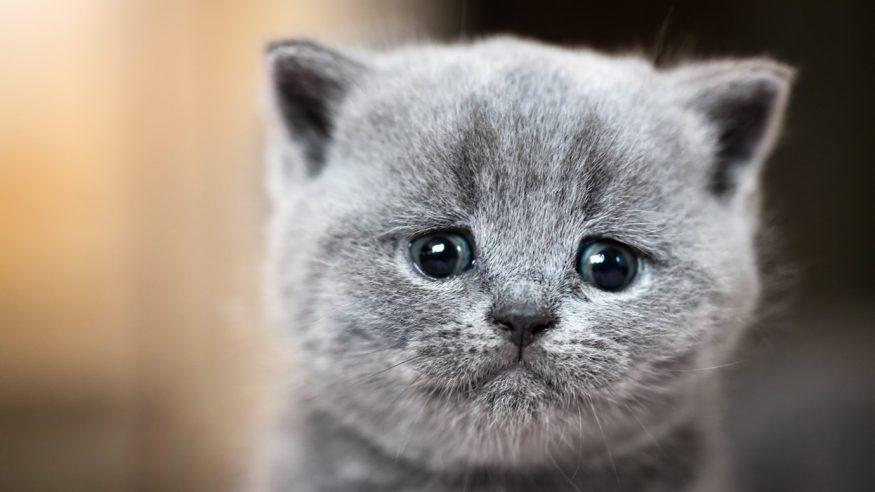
527	355
514	366
507	370
520	357
517	383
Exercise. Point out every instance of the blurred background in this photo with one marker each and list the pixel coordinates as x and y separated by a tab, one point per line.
132	351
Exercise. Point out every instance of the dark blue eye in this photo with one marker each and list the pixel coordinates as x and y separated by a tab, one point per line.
441	255
607	265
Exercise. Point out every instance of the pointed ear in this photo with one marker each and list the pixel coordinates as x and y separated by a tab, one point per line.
308	82
742	104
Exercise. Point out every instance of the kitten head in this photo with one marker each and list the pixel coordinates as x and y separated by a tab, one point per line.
494	253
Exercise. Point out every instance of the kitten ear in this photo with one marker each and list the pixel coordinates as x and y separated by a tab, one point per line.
308	83
742	102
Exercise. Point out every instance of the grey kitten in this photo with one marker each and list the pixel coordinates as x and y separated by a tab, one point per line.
508	266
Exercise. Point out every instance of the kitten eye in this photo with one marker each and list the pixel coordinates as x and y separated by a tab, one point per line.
607	265
441	255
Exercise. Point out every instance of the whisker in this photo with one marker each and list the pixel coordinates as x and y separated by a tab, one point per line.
644	428
416	421
605	440
387	369
710	368
579	446
559	469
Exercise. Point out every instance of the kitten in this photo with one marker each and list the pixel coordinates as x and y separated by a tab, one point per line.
508	266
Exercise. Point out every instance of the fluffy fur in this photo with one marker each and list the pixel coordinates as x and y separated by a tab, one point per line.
406	383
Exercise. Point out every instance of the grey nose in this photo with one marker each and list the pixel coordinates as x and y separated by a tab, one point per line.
523	323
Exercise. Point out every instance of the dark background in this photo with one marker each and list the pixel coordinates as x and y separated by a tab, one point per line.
802	406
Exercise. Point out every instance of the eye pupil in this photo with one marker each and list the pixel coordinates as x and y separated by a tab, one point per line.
438	258
607	265
441	255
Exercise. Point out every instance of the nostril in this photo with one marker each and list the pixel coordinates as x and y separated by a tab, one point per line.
523	324
539	328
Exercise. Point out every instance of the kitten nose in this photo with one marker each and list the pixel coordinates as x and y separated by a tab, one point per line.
523	323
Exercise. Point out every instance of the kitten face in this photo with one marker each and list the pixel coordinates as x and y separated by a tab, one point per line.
529	152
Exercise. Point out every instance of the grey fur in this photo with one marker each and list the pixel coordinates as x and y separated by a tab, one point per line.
404	382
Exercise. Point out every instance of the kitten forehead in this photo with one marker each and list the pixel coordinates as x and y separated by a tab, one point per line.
535	96
487	129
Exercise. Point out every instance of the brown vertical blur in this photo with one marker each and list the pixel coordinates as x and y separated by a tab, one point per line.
131	349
